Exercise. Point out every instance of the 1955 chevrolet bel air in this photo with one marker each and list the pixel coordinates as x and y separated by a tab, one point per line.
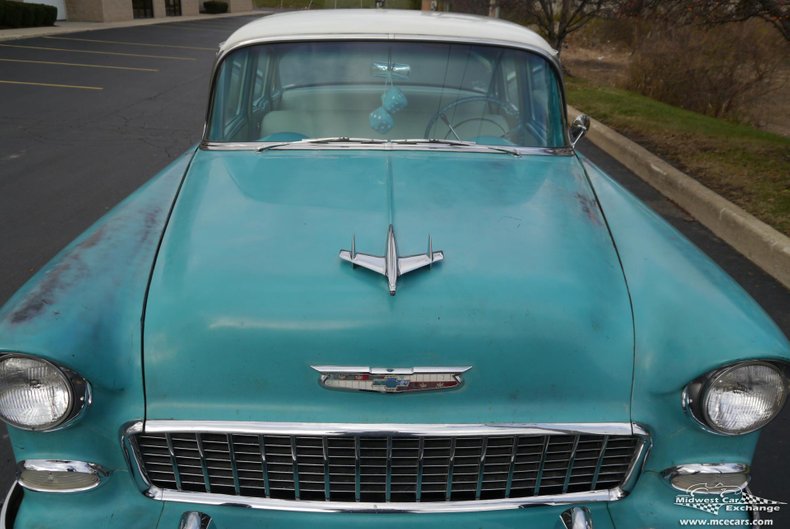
384	291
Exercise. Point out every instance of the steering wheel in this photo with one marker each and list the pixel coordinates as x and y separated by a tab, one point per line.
508	109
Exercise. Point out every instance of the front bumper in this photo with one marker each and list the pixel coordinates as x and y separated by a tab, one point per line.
118	504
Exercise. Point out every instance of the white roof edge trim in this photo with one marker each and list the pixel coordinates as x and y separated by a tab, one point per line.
385	24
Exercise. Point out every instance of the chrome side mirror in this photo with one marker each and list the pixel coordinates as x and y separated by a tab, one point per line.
579	128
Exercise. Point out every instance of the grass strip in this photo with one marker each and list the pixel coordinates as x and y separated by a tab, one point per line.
749	167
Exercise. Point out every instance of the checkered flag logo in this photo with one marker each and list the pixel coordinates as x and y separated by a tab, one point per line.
711	508
750	499
711	505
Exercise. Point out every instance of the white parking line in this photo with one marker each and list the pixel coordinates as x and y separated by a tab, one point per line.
53	85
127	43
83	65
99	52
183	25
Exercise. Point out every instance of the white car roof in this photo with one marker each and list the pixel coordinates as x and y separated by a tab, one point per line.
386	24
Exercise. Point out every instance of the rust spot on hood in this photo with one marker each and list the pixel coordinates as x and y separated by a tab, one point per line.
113	259
590	208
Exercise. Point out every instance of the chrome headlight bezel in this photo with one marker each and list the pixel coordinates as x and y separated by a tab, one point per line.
79	392
693	395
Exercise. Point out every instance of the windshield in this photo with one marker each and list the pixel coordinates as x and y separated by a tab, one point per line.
293	92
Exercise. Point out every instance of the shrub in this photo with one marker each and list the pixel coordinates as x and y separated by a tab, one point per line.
215	6
21	15
709	70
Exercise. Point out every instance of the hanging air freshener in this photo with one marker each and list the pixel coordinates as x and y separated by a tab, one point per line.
381	121
393	100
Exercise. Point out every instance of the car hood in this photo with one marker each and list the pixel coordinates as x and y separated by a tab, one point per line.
248	291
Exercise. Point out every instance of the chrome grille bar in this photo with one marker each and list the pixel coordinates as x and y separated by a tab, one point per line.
487	466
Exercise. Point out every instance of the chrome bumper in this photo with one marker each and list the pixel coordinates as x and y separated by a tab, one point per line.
10	506
573	518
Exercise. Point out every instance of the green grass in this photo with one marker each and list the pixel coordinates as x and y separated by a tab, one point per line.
747	166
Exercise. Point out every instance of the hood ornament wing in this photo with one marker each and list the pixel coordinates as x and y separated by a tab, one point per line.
391	380
391	265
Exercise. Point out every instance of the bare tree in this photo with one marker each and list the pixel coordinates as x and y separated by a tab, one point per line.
714	12
556	19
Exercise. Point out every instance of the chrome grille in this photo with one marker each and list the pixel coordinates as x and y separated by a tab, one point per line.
385	467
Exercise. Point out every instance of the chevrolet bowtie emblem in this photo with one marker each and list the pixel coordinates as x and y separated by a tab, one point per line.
391	265
391	380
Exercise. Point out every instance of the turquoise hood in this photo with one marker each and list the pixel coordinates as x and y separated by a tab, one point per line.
248	291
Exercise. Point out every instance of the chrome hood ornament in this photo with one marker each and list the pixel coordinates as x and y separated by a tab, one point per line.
391	380
390	265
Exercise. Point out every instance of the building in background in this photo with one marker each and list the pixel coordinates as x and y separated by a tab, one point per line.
120	10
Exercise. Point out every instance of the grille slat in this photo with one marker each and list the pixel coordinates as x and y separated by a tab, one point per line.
384	468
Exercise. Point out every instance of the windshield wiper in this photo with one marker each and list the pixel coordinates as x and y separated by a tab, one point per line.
459	143
376	141
331	139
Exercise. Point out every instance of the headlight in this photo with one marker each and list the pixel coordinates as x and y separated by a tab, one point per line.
37	395
737	399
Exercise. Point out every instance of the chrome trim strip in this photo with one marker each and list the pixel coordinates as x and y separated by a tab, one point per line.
637	461
60	465
387	146
132	455
395	507
377	429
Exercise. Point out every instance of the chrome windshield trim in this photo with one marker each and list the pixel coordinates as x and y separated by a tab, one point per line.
328	37
393	507
384	146
552	59
375	429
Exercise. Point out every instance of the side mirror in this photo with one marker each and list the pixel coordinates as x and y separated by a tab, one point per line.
579	128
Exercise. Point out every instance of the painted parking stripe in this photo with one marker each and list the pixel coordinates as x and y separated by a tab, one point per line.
127	43
52	85
83	65
182	25
99	52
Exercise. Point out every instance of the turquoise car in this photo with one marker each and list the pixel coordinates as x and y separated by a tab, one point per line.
384	291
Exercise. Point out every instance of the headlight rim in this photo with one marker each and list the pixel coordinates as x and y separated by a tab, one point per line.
693	395
80	394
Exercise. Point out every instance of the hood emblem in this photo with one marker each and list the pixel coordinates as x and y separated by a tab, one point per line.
386	380
390	265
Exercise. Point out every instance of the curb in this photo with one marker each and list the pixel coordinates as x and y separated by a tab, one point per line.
757	241
74	27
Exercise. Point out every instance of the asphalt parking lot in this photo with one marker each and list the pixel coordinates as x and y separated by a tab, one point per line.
85	118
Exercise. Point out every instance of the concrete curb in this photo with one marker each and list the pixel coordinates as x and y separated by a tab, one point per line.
760	243
63	27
